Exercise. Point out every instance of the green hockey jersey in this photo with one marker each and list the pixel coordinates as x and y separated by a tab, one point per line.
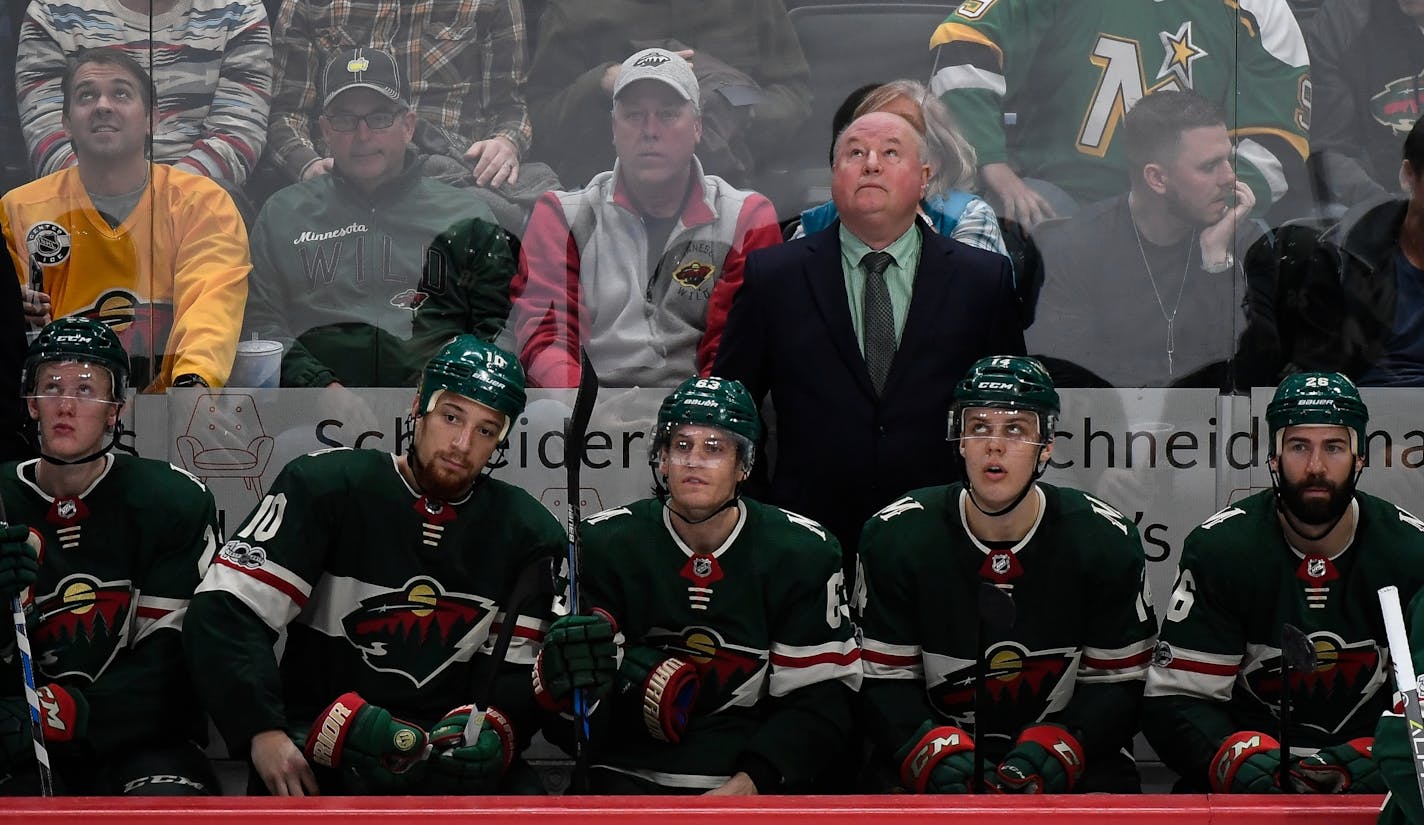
118	565
1076	653
1070	69
1217	669
764	620
382	591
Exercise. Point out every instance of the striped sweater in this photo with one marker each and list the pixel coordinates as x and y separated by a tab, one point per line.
211	62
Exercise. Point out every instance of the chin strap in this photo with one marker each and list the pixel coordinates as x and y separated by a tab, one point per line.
1039	467
727	505
118	431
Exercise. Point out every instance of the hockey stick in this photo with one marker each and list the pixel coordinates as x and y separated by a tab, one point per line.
575	431
22	644
996	615
1297	656
534	580
1404	675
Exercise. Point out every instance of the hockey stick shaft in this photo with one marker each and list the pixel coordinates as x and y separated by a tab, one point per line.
1404	678
574	438
525	588
22	644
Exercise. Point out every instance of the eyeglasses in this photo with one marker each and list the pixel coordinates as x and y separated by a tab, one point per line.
375	121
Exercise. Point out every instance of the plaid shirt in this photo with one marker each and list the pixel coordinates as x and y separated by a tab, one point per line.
463	59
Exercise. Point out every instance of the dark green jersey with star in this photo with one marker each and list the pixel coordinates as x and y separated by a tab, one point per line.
763	619
1217	670
1077	650
118	565
382	592
1070	69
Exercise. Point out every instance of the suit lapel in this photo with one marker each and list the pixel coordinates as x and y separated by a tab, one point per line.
826	283
927	302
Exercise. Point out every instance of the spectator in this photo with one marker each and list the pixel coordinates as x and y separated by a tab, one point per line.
1147	289
1365	61
858	333
14	418
1306	556
337	259
124	542
1356	301
948	206
755	85
1102	57
156	252
1062	718
739	684
465	68
641	265
13	169
389	574
213	64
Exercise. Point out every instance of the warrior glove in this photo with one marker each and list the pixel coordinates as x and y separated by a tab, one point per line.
578	652
476	767
374	752
665	687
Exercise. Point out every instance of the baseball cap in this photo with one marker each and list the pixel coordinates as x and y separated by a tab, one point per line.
662	65
362	67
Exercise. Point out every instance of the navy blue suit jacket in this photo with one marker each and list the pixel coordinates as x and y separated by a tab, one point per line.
842	452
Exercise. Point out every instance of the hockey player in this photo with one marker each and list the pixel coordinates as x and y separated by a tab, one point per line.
106	550
1063	670
389	574
1103	56
737	651
1310	552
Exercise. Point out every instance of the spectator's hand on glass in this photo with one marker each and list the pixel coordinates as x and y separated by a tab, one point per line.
320	166
496	161
1218	239
1020	203
37	306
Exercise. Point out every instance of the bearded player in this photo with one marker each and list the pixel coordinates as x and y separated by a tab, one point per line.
734	658
387	572
1311	552
106	550
1063	671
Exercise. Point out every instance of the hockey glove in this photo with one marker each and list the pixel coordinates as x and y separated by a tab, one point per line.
474	768
578	652
1246	763
665	687
19	559
937	760
374	752
1045	759
1343	768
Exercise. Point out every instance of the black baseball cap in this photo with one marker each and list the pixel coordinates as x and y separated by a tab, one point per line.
363	67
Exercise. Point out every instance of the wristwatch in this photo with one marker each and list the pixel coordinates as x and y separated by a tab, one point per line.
189	379
1219	266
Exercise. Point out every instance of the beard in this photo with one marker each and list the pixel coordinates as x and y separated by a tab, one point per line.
437	480
1316	512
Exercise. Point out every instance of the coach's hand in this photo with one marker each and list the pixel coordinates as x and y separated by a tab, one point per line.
281	766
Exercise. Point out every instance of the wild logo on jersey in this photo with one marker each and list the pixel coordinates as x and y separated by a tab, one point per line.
1015	677
1398	104
730	674
418	630
1346	676
81	626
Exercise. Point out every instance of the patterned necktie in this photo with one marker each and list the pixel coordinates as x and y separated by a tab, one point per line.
879	333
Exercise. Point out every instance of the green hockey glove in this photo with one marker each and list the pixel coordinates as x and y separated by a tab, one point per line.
374	752
578	652
664	686
937	760
1344	768
1246	763
1045	759
458	768
19	558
